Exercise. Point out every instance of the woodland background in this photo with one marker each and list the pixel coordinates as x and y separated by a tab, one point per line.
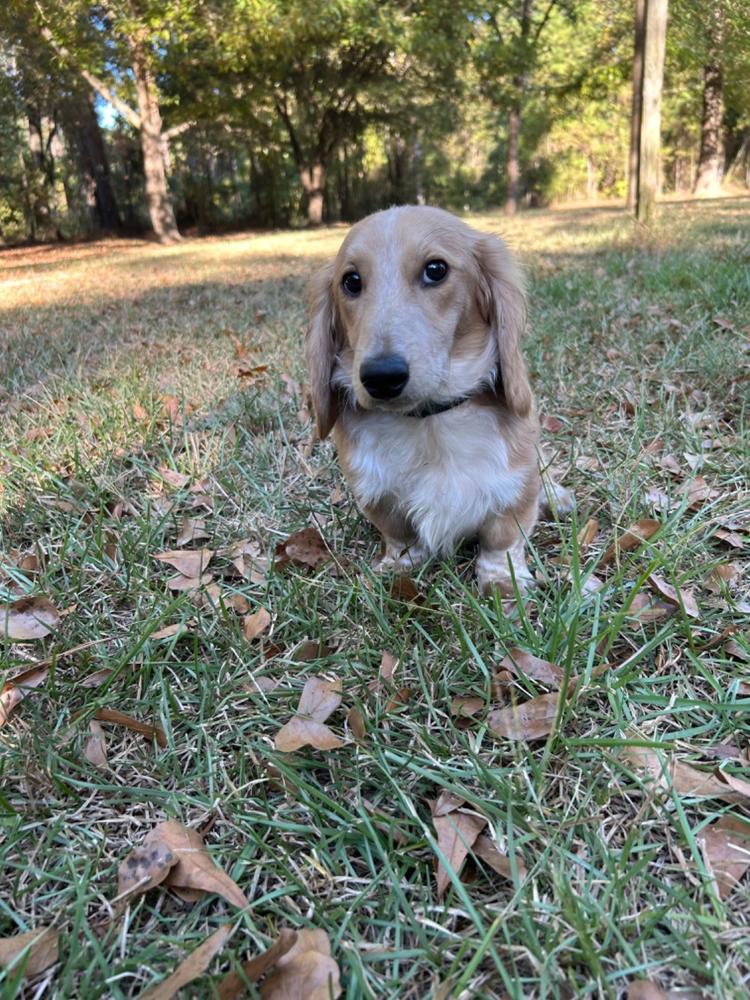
210	115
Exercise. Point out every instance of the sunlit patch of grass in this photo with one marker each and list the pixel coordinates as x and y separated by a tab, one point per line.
626	351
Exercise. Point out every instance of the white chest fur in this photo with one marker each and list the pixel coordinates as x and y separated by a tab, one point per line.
445	473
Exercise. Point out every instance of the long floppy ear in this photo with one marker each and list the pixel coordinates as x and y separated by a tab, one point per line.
320	350
502	304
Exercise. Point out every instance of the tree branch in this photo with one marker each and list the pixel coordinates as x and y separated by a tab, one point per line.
175	130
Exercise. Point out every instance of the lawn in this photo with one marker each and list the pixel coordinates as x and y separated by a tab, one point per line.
142	386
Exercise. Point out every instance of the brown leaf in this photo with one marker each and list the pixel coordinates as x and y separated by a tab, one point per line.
97	678
177	480
519	661
400	696
170	630
145	867
42	950
632	538
95	750
307	650
587	534
684	779
466	707
699	492
155	731
255	624
171	406
28	618
732	538
357	723
16	689
191	563
723	575
319	698
531	720
233	985
485	850
446	803
191	967
646	609
403	588
305	972
457	832
551	424
191	530
731	648
186	584
386	672
195	869
642	989
681	598
670	464
303	548
726	850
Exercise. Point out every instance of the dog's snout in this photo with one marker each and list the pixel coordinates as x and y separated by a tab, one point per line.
385	376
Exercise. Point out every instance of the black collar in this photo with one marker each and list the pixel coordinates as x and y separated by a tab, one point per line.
432	407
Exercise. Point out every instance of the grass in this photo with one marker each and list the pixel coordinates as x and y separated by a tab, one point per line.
119	359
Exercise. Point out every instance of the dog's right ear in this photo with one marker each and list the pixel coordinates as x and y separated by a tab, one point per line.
320	350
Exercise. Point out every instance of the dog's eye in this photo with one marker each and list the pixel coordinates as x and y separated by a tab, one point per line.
434	272
352	283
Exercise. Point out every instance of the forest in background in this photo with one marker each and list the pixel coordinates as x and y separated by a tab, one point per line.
206	115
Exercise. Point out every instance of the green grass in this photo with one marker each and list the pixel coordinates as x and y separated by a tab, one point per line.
626	351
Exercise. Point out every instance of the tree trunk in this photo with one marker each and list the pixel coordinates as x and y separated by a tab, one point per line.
513	169
711	157
154	148
95	166
653	78
314	183
637	104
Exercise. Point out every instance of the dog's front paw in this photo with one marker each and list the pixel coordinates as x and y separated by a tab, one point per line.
399	559
555	499
505	572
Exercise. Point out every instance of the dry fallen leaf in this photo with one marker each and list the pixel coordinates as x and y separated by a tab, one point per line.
551	424
176	856
42	950
457	832
484	848
303	548
699	492
680	598
177	480
587	534
642	989
191	530
731	648
646	609
170	630
16	689
190	563
305	972
726	850
466	707
95	750
356	722
233	985
403	588
722	576
155	731
669	774
319	698
191	967
386	672
255	624
519	661
732	538
28	618
632	538
531	720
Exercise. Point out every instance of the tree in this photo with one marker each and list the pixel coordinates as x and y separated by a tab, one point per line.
649	146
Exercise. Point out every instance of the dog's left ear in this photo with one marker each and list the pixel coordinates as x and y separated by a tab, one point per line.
320	350
502	304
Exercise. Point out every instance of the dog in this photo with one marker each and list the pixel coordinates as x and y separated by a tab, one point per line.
414	358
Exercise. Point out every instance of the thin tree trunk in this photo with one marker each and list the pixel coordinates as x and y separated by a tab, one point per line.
155	151
314	183
95	166
513	168
711	156
637	104
653	78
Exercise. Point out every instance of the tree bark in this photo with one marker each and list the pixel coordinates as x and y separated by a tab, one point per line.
637	104
154	148
513	168
314	184
653	78
92	155
711	157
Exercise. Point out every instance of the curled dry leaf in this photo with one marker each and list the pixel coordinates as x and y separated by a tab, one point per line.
731	648
587	534
646	609
28	618
632	538
191	530
39	946
145	867
551	424
191	563
457	832
307	650
191	967
679	598
319	698
95	750
464	708
699	492
152	732
726	850
356	723
305	972
403	588
303	548
255	624
484	848
669	774
519	661
185	584
15	690
723	575
386	672
731	538
233	985
531	720
171	630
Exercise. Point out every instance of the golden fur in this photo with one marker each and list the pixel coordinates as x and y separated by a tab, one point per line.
471	471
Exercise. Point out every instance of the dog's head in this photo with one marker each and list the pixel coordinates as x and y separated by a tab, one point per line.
417	307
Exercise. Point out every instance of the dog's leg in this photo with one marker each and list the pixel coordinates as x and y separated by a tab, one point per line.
402	552
555	499
502	556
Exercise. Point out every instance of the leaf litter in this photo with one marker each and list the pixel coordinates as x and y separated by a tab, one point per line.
39	945
28	618
191	967
320	697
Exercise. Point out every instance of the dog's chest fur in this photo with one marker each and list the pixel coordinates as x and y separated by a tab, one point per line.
445	474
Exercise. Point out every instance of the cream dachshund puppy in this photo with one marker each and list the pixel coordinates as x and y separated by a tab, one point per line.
414	355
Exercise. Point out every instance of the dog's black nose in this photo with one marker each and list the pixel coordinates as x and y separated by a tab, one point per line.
385	376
